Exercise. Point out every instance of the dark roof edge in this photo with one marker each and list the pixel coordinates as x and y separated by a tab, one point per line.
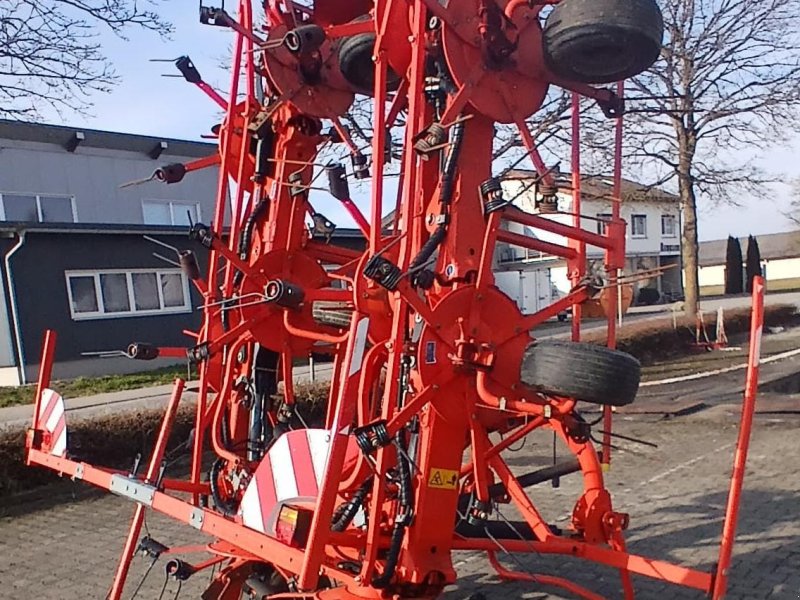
96	138
123	228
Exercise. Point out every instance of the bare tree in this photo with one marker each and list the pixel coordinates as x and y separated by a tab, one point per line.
794	207
727	83
50	54
548	126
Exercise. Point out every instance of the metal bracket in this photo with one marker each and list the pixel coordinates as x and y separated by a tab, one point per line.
132	489
196	518
78	473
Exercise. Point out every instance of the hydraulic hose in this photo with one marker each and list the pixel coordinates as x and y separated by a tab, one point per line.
403	518
448	180
247	234
249	225
345	514
265	378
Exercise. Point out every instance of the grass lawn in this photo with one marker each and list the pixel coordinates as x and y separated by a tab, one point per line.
86	386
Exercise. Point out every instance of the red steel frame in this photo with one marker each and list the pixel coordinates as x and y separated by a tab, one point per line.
459	338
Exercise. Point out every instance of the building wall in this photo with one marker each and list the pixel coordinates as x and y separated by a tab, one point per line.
712	275
781	274
653	243
642	252
93	176
38	271
784	268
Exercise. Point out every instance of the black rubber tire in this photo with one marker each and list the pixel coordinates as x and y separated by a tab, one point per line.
582	371
355	62
602	41
331	313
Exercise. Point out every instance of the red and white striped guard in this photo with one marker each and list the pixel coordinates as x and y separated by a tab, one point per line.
53	420
291	471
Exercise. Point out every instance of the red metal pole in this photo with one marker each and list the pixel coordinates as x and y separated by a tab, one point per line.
152	471
45	369
536	158
218	223
357	216
378	138
237	209
580	269
743	442
339	432
213	94
613	289
532	243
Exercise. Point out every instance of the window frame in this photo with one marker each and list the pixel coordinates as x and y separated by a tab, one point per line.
133	312
674	220
38	197
172	204
602	222
639	235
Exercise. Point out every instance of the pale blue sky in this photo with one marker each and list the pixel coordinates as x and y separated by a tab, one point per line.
147	103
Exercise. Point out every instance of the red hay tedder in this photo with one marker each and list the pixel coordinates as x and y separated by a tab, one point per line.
436	371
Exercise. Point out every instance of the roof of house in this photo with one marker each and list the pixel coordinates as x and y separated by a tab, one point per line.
599	187
770	245
61	135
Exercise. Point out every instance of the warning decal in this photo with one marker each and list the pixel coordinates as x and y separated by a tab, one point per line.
444	479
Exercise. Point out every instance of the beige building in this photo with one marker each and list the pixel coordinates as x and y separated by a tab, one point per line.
652	236
780	262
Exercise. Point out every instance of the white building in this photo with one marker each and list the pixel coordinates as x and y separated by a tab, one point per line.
780	262
653	229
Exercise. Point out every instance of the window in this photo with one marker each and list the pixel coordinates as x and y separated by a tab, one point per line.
602	226
114	288
38	208
156	212
109	294
639	226
669	226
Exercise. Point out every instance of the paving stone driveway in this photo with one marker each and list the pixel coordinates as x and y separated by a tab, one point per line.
66	548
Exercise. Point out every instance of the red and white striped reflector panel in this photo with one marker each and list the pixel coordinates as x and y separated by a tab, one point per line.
53	420
291	471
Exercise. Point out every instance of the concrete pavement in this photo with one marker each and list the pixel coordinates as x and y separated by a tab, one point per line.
63	548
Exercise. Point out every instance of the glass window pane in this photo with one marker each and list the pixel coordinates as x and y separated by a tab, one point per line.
56	209
172	290
602	226
115	292
156	213
145	291
20	207
639	225
181	212
84	297
668	225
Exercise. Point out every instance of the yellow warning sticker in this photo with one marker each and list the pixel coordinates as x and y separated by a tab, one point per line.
444	479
